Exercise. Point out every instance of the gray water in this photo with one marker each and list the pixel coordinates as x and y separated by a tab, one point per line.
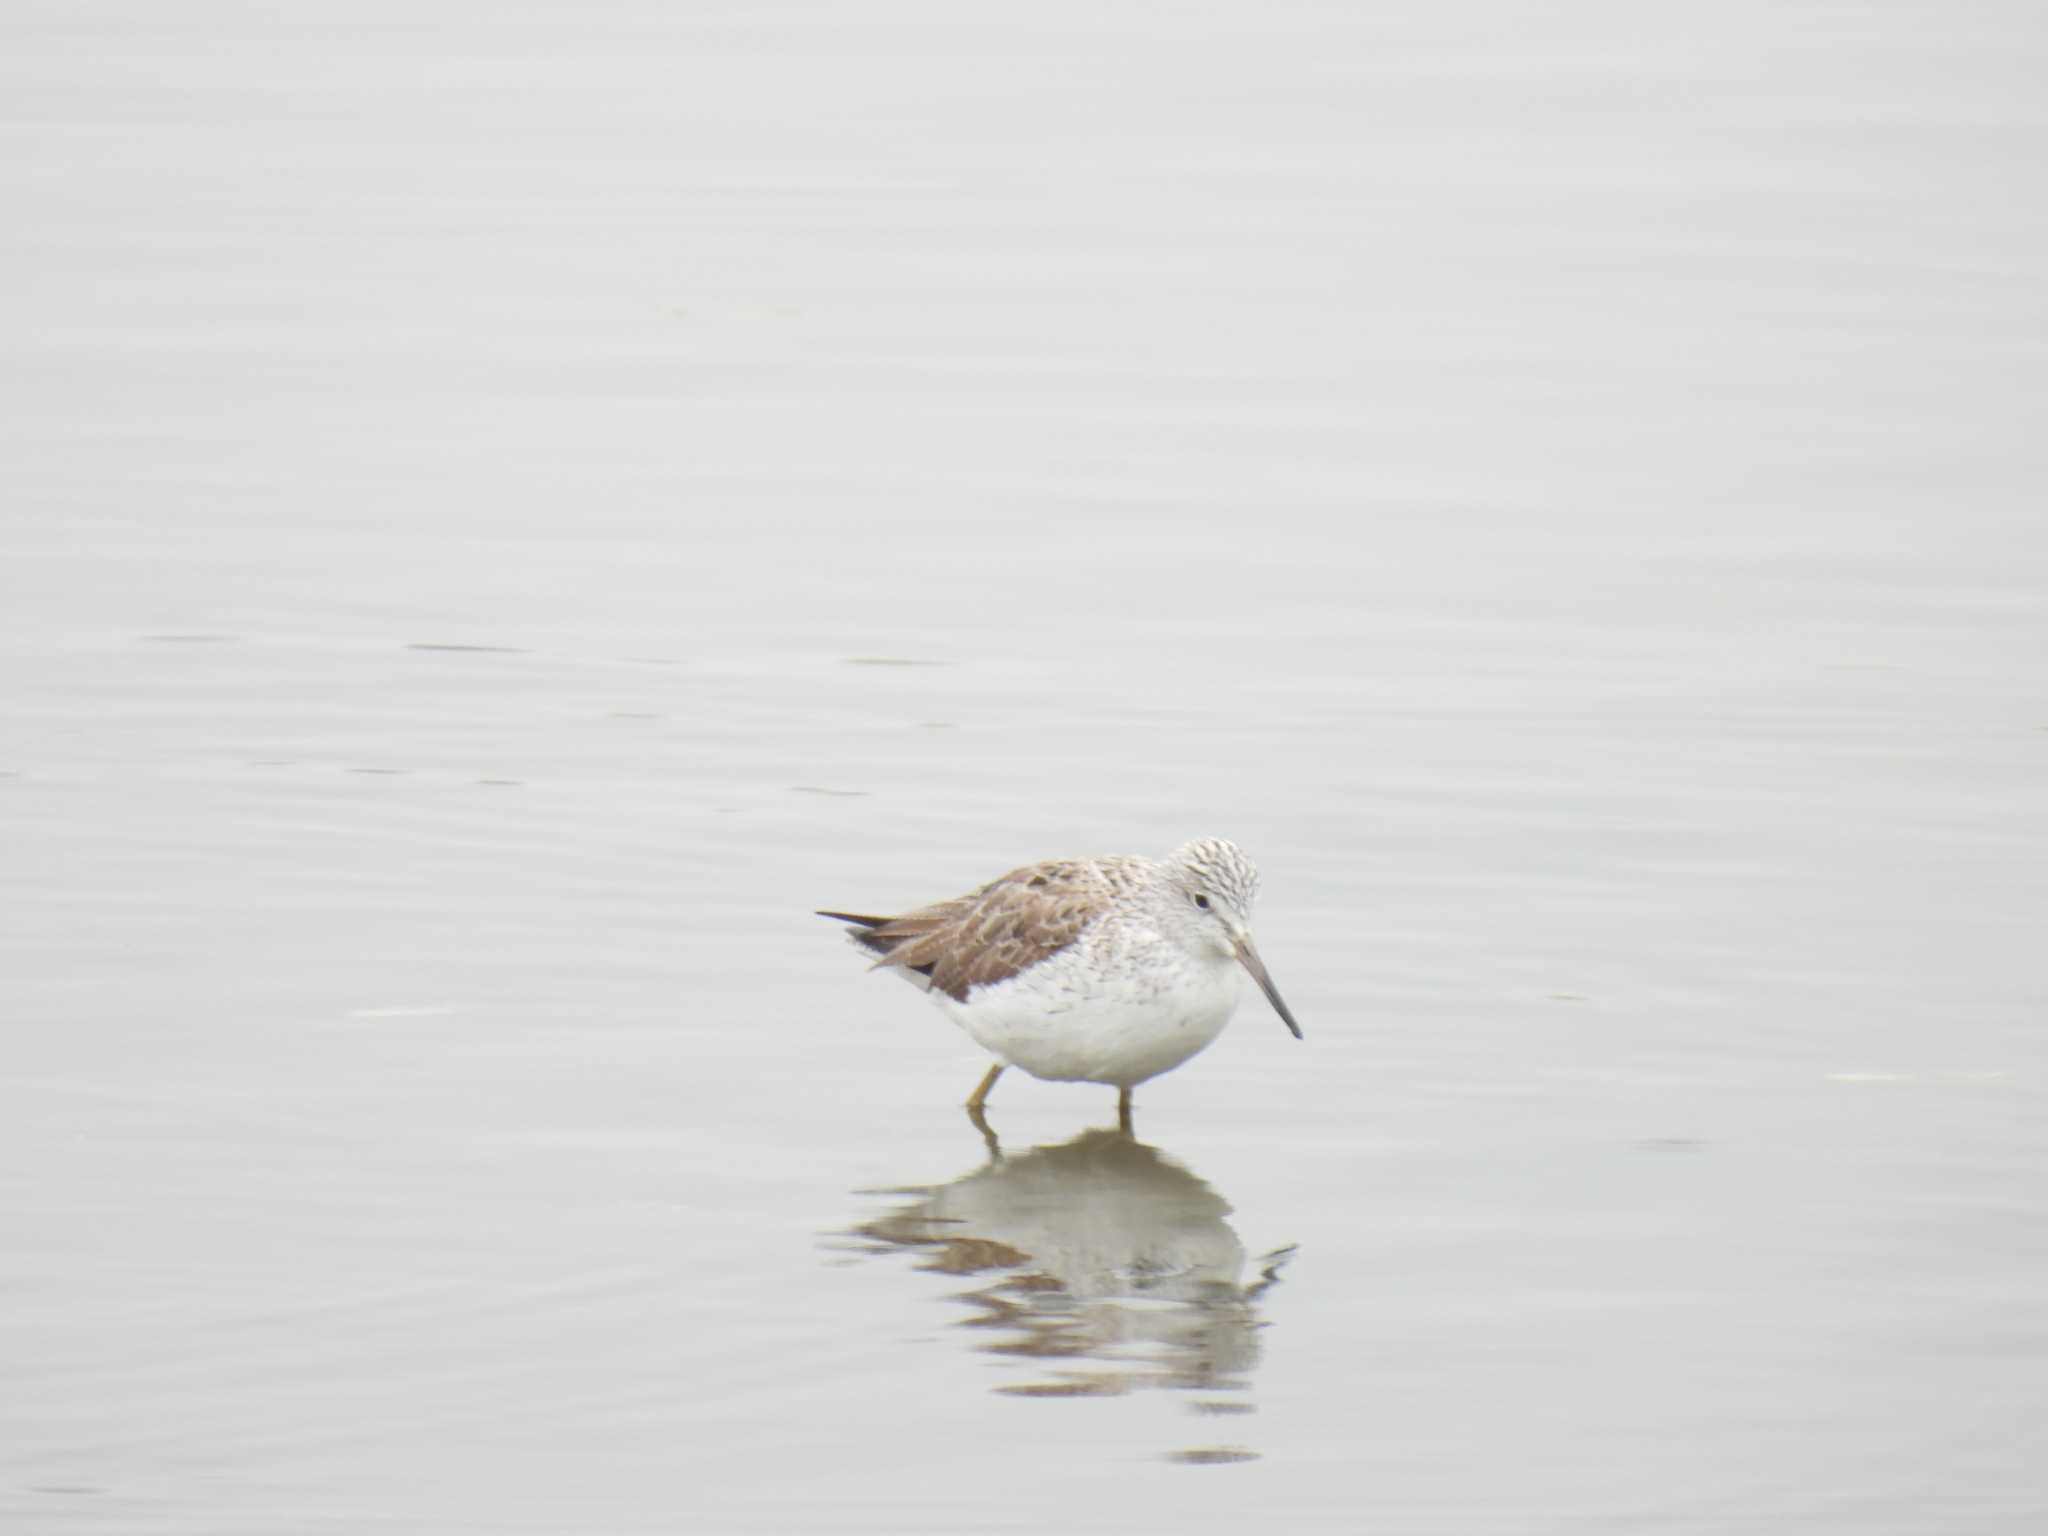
507	508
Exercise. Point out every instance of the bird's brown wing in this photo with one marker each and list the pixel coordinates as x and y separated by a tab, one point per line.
992	934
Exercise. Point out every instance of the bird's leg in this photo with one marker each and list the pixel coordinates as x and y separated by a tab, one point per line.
980	1095
1123	1110
974	1103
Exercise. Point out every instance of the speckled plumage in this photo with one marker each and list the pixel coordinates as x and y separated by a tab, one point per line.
1107	970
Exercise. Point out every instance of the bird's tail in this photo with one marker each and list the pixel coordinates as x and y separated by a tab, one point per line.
869	940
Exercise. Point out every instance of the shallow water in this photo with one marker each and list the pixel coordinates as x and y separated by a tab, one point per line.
509	508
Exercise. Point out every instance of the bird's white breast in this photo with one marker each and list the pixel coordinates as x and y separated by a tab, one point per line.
1100	1013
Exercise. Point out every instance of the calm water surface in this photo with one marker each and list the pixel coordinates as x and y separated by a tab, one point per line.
509	508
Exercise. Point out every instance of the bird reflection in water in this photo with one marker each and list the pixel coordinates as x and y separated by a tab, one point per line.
1102	1262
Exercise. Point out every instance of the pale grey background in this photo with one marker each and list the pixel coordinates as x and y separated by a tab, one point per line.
1563	486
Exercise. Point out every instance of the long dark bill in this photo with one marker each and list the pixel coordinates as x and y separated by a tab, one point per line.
1248	957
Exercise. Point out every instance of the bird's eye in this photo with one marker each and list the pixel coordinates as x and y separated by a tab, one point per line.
1202	902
